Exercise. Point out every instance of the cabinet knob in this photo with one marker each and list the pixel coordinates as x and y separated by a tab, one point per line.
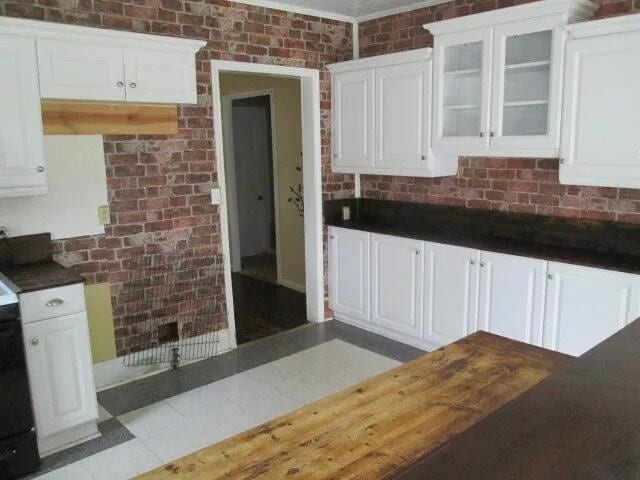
133	85
423	157
550	276
481	134
332	237
562	161
482	264
472	262
492	134
55	302
418	252
40	169
120	84
35	341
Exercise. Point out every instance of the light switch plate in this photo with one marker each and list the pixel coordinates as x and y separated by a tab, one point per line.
104	215
216	198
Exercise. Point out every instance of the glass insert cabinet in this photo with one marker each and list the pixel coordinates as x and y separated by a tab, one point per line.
497	89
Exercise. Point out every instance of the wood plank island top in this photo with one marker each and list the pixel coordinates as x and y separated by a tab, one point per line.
376	429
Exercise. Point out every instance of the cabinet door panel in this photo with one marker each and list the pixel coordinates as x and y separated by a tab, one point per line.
163	77
512	296
527	81
586	305
21	145
600	141
80	71
462	76
353	104
396	289
349	272
60	373
401	115
451	284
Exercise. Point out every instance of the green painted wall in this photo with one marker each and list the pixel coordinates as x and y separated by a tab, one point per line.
103	341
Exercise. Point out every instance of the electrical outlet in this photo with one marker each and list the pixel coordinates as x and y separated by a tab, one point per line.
104	215
216	198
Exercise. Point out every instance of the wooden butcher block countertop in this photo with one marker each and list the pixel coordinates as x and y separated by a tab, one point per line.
376	429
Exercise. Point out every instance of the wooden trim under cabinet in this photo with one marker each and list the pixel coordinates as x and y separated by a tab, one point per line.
101	118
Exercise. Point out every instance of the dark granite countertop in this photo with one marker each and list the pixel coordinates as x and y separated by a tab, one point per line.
593	244
27	261
40	276
582	422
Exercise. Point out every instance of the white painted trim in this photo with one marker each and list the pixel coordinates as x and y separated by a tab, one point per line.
573	9
355	40
312	178
283	5
292	285
113	372
104	36
417	55
234	228
605	26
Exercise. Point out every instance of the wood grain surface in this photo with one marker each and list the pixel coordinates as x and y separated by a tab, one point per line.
377	428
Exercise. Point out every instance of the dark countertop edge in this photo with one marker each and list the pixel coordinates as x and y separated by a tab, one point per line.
62	276
585	258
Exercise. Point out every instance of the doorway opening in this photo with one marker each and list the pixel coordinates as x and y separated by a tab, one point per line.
264	176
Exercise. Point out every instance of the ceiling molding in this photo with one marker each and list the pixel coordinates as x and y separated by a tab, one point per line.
283	5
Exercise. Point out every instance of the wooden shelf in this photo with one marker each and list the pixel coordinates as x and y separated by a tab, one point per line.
527	65
462	107
462	73
526	103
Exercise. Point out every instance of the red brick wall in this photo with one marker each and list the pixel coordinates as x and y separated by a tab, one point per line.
158	185
519	185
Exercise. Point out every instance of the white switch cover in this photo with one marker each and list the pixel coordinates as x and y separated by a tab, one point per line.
216	198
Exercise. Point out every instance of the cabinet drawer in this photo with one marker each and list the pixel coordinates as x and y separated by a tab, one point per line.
52	302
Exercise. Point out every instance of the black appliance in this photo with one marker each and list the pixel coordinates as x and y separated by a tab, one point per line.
18	445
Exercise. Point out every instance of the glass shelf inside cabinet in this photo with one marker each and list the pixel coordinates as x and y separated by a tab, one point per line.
462	90
527	74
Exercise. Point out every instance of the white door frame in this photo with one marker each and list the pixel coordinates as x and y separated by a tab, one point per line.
232	206
312	179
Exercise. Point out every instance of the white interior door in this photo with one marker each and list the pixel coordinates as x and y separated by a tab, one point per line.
396	284
587	305
353	104
512	296
600	141
60	373
252	164
451	292
80	71
349	273
527	82
401	115
462	82
21	144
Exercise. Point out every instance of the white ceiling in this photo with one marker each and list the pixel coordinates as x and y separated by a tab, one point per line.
347	10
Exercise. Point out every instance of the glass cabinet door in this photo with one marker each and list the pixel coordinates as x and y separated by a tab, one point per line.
461	86
525	86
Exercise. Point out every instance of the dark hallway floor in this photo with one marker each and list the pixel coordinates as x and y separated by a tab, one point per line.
263	309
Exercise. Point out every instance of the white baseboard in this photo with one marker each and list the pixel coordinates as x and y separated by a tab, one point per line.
385	332
113	372
292	285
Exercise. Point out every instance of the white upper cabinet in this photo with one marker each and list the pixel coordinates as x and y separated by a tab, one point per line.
80	71
586	305
396	284
22	163
157	76
381	117
81	63
498	79
600	141
352	121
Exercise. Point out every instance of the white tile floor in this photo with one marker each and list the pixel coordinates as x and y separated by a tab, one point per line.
193	420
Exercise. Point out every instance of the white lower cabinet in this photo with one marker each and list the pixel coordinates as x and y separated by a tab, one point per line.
349	272
511	300
451	286
61	379
396	284
587	305
429	294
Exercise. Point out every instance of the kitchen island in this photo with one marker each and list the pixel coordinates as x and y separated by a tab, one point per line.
380	427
